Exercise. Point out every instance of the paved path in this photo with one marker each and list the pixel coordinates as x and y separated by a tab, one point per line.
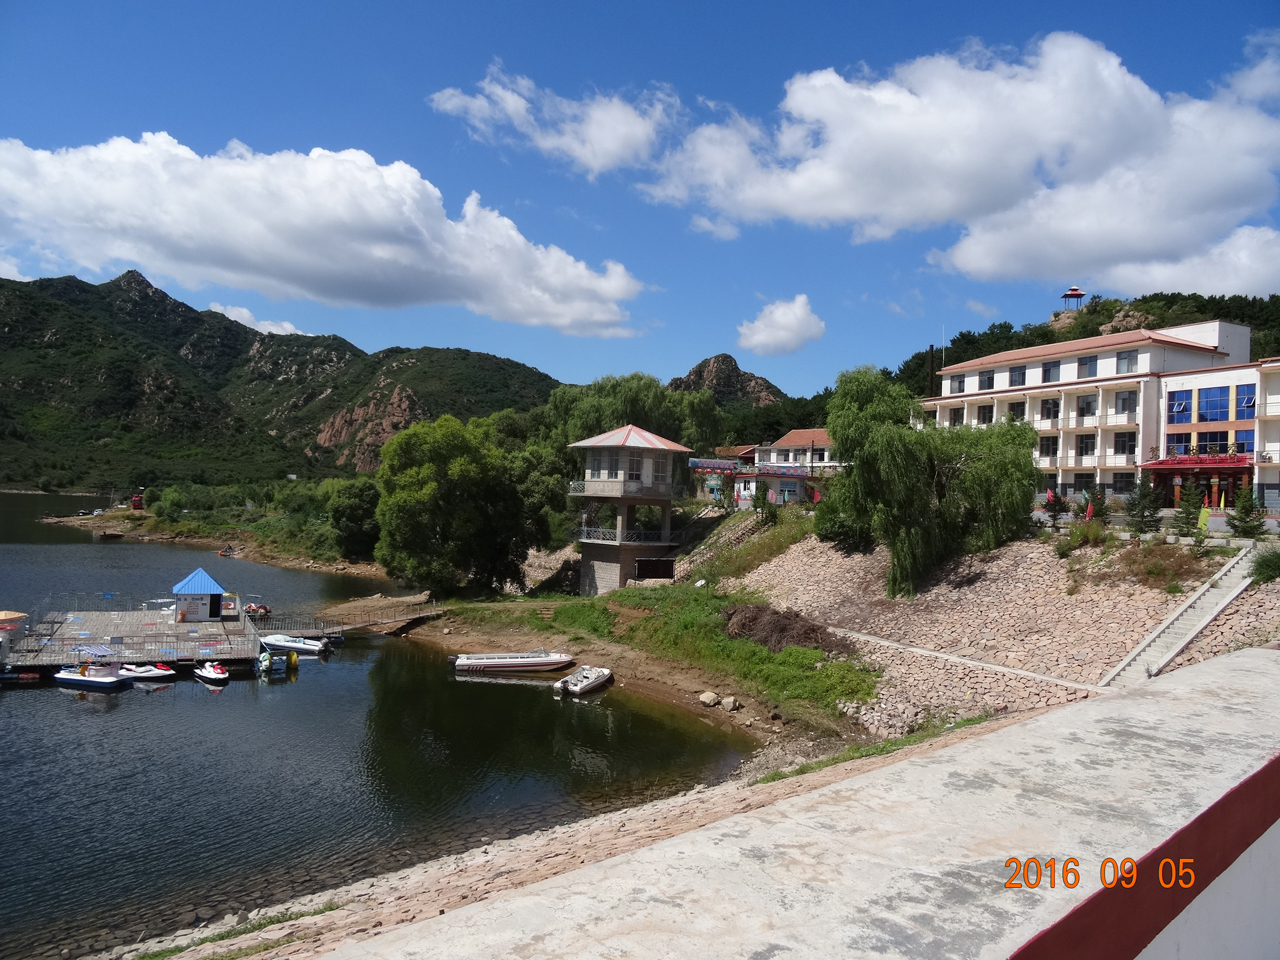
907	860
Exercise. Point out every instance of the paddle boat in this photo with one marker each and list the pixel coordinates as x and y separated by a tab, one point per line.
583	680
524	662
211	672
147	671
92	676
278	642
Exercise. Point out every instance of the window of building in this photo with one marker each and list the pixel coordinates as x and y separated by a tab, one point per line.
820	453
1127	361
957	383
931	415
1177	444
1018	410
1087	367
1211	442
1215	404
1246	396
1244	441
1051	371
1127	401
1049	409
1179	406
613	464
1122	483
1086	445
635	465
1083	482
597	464
1087	406
986	413
1018	376
986	379
660	468
784	456
799	457
957	416
1048	446
1126	443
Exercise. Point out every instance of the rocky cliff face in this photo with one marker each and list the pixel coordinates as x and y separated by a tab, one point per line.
728	382
359	431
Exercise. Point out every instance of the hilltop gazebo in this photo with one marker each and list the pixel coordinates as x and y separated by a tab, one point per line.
626	468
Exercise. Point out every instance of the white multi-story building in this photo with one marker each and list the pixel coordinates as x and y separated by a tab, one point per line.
1184	403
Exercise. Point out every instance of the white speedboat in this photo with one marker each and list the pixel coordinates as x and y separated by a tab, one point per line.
147	671
279	642
92	676
510	662
583	680
211	672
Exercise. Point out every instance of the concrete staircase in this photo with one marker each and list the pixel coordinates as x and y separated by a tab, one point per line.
1171	637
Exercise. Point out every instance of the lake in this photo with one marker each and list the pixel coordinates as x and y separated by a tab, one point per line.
126	812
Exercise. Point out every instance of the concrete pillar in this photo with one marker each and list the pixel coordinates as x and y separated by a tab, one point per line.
666	521
626	520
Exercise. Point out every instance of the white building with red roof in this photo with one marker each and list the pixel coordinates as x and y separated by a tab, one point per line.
626	470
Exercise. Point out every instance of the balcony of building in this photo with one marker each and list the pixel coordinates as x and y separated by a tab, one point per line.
1076	421
1047	462
1046	424
614	535
619	488
1119	419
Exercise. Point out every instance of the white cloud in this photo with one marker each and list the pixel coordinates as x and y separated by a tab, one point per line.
1060	165
245	316
9	270
336	227
982	309
597	133
1245	262
783	326
719	228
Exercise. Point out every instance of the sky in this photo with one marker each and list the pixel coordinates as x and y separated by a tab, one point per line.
599	188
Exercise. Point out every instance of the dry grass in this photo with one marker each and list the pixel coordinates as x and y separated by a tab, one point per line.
1154	565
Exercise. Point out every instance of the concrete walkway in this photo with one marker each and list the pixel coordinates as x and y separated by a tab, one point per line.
907	860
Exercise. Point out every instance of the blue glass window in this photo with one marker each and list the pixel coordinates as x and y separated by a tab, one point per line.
1178	444
1180	407
1246	396
1212	442
1215	404
1244	441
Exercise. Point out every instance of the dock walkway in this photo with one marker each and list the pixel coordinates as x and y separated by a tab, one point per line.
134	636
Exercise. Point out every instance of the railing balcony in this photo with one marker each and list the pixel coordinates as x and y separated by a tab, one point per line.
1116	419
1046	462
1270	409
625	488
1046	423
1077	422
1121	460
1079	460
610	535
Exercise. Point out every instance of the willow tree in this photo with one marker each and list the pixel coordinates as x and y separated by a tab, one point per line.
926	493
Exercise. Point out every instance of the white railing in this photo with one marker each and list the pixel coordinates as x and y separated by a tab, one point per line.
1046	461
1075	421
1046	423
624	488
610	535
1116	419
1121	459
1271	409
1076	460
599	534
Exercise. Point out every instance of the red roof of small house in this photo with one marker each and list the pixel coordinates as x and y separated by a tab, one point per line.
633	437
737	451
1069	347
804	438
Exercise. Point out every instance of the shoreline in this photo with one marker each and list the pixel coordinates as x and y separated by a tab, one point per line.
363	909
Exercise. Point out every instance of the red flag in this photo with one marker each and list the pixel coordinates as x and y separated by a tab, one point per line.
1048	497
1088	512
1206	501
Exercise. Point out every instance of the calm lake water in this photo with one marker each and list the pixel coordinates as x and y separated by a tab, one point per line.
123	812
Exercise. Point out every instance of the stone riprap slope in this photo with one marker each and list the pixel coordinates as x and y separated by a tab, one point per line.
1250	620
1010	607
917	687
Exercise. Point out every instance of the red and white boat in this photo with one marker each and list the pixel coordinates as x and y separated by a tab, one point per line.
525	662
147	671
211	672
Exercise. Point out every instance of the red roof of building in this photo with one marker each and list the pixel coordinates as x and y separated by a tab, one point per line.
737	451
804	438
633	437
1068	347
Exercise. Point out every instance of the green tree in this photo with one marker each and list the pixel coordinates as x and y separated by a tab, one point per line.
451	511
1142	506
1055	505
1249	519
927	493
353	512
1186	519
1094	497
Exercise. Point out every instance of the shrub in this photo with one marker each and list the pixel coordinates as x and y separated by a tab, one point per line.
1142	507
1090	533
844	531
1186	521
1096	499
1266	566
1249	519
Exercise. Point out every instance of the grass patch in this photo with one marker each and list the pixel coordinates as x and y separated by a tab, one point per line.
1266	565
872	749
251	927
793	526
1159	565
590	617
572	616
685	624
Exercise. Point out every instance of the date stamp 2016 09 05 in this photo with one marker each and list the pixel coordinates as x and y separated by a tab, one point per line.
1125	872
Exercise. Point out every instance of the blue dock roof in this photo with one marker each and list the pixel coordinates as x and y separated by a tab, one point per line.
198	582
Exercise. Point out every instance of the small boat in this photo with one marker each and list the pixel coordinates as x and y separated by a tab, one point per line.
508	662
583	680
147	671
279	641
211	672
92	676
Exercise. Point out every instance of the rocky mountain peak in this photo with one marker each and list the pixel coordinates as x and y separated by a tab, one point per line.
728	382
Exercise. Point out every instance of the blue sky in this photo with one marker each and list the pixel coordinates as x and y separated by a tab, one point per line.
930	166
